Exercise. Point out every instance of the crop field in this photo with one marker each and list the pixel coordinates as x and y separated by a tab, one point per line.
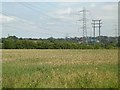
47	68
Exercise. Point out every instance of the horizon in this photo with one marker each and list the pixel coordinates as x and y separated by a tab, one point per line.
58	37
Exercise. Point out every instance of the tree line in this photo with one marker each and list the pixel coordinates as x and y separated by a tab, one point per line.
13	42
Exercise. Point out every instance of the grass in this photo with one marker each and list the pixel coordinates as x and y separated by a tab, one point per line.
60	68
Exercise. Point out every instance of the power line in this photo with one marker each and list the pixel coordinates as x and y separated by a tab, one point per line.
44	14
16	28
39	27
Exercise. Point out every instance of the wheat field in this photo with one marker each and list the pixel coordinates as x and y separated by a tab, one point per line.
30	68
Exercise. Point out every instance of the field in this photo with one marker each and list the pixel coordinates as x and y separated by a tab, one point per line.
60	68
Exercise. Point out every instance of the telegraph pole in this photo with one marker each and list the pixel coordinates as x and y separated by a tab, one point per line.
94	29
84	27
8	35
116	30
99	26
96	24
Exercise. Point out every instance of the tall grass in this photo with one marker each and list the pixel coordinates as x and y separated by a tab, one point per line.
60	68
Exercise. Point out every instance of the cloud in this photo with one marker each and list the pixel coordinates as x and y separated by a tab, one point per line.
60	14
13	19
51	23
109	7
6	19
106	11
66	11
92	5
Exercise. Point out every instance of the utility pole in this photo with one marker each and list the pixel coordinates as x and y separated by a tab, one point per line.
8	35
116	30
94	29
84	27
99	27
66	37
96	24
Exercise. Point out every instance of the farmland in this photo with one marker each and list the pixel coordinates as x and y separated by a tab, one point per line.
60	68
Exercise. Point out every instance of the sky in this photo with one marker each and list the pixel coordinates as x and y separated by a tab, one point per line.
56	19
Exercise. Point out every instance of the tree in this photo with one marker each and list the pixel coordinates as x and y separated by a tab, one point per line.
9	44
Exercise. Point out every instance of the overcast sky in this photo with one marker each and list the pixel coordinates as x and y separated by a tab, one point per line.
56	19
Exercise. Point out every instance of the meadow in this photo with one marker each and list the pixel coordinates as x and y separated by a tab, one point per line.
46	68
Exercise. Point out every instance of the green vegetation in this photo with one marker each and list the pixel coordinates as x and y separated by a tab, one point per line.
12	42
60	68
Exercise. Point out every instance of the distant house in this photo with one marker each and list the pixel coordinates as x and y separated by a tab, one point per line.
94	40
